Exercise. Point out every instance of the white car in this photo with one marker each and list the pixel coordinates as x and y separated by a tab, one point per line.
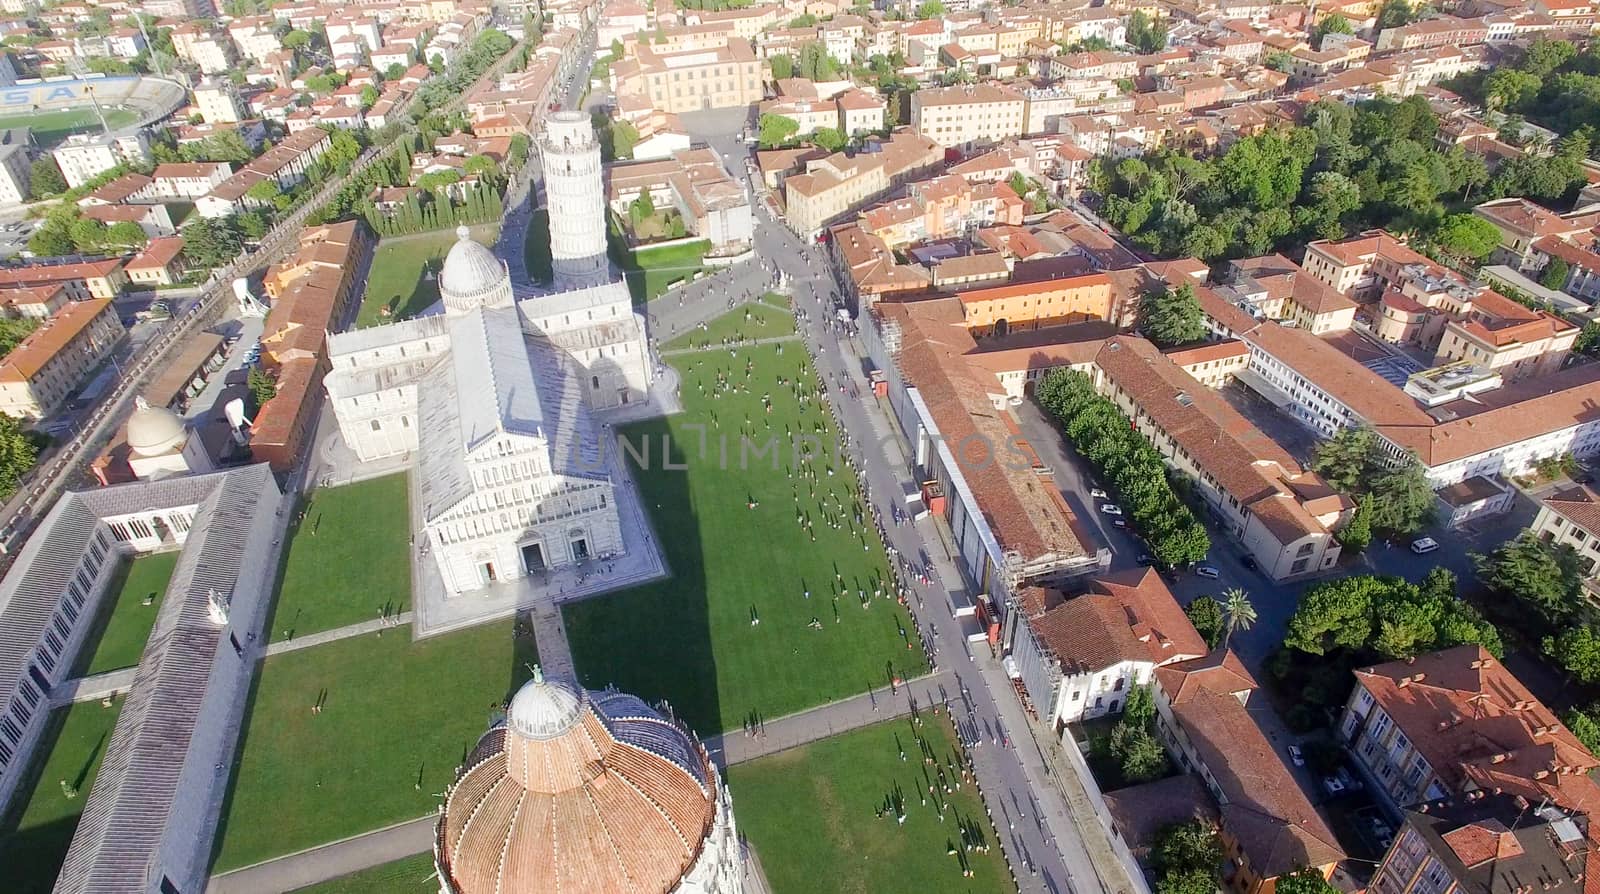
1424	545
1207	571
1097	493
1297	756
1110	509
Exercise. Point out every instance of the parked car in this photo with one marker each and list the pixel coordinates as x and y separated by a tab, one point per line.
1424	545
1207	571
1110	509
1097	493
1249	562
1297	756
1333	785
1119	523
1146	559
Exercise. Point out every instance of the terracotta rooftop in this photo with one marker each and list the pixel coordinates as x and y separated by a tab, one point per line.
1579	504
41	346
1130	616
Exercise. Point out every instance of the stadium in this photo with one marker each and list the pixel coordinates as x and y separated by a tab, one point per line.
55	108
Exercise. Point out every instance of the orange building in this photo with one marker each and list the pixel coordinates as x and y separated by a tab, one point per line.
1016	307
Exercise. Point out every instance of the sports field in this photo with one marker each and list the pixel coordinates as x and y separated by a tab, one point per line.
50	128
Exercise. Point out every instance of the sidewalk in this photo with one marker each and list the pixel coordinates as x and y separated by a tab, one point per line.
334	635
329	861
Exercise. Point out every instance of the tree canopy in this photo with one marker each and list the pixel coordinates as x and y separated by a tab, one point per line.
1544	577
1172	317
1386	617
1394	493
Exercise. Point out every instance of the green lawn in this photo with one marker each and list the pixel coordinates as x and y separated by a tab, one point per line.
398	717
650	270
397	281
50	128
758	320
536	248
689	639
119	641
777	300
412	875
348	559
817	806
34	839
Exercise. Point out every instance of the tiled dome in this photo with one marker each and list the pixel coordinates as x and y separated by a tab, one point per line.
577	791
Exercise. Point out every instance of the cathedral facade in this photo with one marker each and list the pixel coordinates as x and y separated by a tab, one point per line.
491	401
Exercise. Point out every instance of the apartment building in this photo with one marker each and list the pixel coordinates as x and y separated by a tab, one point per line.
48	365
723	77
1109	640
82	280
16	168
160	263
1282	514
1441	31
1570	516
183	180
1268	827
1028	306
839	183
218	102
1456	721
1360	267
32	304
285	163
1522	223
84	156
940	208
1277	288
1483	845
968	116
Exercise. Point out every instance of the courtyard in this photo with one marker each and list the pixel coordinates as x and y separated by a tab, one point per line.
357	734
732	633
126	619
403	279
824	817
650	271
348	559
752	321
35	835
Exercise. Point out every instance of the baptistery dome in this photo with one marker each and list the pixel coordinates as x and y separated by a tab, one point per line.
154	430
472	276
591	792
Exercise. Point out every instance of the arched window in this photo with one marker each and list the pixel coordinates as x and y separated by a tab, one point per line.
594	381
376	426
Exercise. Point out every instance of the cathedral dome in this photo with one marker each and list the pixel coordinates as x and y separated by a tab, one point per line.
471	275
579	791
153	431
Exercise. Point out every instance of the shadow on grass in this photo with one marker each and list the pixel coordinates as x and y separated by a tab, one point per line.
536	250
32	857
667	625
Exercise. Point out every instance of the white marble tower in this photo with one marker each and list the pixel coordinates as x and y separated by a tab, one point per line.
570	157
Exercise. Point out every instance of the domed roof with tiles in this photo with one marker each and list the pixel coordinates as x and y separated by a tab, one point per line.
577	791
154	430
470	269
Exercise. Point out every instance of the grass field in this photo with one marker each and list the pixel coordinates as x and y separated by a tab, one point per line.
650	271
536	248
50	128
758	320
34	840
776	300
690	638
397	282
816	806
412	875
119	642
348	559
398	717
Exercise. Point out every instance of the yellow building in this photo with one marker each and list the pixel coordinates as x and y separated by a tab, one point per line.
46	366
1035	305
968	115
694	80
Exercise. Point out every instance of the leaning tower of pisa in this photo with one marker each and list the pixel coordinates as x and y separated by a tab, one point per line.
570	157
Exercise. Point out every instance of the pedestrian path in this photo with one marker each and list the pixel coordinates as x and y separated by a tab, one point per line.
842	716
88	689
746	343
329	861
336	634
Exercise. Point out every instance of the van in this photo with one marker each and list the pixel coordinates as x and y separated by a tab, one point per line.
1425	545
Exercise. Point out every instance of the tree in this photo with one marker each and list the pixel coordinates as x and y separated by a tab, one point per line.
369	96
1508	88
295	40
930	9
264	191
782	66
1554	275
1305	881
830	138
14	330
1582	723
1577	651
44	178
1394	13
642	208
18	454
1333	24
211	242
52	239
1191	846
1189	882
1401	498
262	386
1171	317
125	234
1545	576
1357	532
1138	753
1145	35
1205	614
624	136
1467	236
1239	613
775	130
